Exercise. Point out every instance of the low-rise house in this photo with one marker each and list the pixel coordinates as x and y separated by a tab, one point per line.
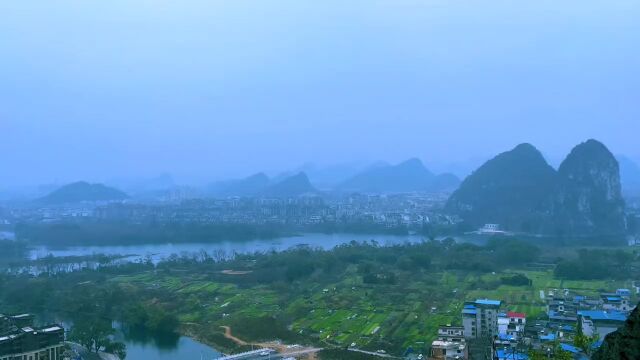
449	350
600	322
511	325
616	301
451	333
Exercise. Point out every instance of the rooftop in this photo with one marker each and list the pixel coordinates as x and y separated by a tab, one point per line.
512	314
600	315
570	348
488	302
510	355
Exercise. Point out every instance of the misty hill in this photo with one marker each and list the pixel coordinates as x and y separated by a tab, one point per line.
330	176
589	196
407	176
249	186
159	183
145	188
83	191
520	191
629	176
291	186
623	343
514	189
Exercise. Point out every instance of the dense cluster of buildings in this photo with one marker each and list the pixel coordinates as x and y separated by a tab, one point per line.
20	340
410	210
489	331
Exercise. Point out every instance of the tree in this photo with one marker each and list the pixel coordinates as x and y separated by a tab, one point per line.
584	342
92	333
117	348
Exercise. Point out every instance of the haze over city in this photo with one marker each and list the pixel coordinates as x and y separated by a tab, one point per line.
319	180
211	90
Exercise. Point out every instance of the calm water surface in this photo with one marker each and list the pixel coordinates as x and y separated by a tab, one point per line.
160	251
178	348
145	346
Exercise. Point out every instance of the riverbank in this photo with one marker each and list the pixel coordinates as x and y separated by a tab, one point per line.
87	355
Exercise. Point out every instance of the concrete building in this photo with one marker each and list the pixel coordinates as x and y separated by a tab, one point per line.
600	322
511	325
19	340
480	318
618	301
449	350
451	333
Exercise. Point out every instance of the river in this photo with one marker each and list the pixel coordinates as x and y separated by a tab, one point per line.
143	346
158	252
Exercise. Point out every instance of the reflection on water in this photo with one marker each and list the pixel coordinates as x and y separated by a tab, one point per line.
142	345
185	349
141	337
157	252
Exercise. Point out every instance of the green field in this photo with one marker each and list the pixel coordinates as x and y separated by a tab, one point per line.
347	311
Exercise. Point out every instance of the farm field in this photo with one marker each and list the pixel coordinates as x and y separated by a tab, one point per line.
340	313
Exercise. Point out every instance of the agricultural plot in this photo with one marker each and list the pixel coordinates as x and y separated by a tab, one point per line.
348	311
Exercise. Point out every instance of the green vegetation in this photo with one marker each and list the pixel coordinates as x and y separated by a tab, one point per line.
596	264
12	252
388	298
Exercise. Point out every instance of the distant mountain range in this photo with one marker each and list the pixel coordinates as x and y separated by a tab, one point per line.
408	176
260	185
291	186
82	191
520	191
249	186
523	170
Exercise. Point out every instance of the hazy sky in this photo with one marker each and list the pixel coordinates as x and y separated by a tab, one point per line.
207	89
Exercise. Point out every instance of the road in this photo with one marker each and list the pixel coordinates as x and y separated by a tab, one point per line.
387	356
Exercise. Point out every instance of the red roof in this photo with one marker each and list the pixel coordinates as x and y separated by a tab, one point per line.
516	315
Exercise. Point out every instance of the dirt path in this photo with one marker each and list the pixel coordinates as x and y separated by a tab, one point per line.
229	335
281	348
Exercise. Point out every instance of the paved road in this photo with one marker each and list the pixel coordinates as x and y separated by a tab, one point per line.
275	356
387	356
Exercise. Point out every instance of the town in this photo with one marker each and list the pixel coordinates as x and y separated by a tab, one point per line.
575	324
412	211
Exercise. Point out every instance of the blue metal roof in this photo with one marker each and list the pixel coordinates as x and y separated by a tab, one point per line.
570	348
550	337
614	298
470	311
510	355
488	302
599	315
469	306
